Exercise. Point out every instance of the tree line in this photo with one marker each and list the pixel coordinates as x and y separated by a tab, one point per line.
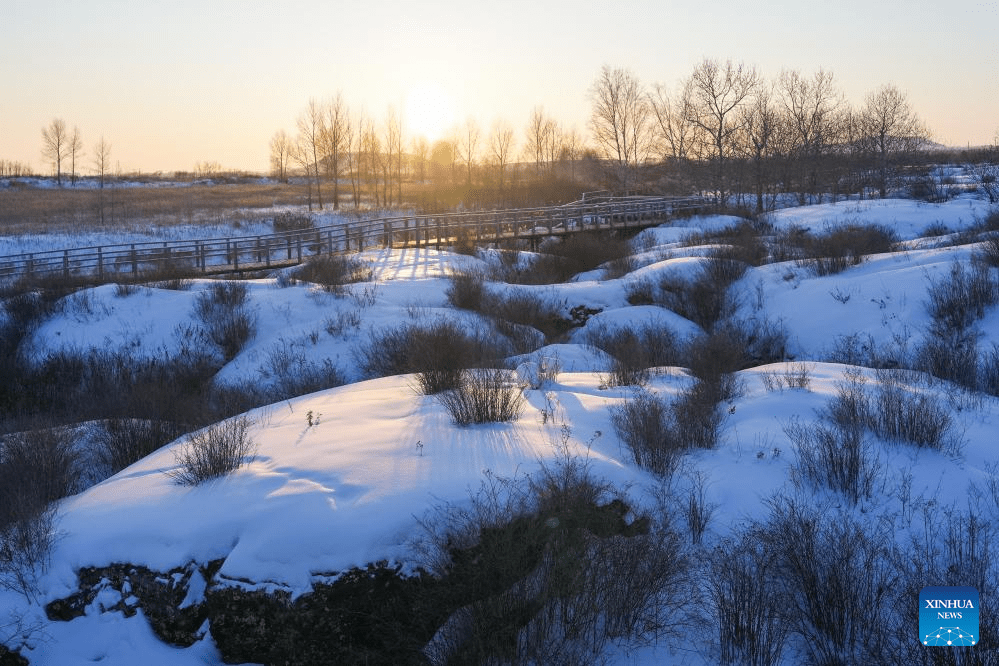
724	129
63	150
356	156
727	128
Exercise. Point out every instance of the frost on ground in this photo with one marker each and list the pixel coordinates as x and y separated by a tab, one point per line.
344	477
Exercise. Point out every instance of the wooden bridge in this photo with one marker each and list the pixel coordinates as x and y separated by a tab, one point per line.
135	261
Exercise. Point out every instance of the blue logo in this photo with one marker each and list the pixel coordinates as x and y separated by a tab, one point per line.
948	616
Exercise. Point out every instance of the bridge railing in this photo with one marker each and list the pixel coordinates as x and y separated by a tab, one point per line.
131	261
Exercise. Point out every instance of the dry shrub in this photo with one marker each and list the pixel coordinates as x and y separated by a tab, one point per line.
704	300
466	290
988	371
213	452
530	309
839	247
562	258
437	353
224	317
989	250
636	351
837	578
900	413
646	424
746	600
956	301
288	372
834	456
36	468
658	432
741	243
549	569
124	441
333	272
286	222
483	396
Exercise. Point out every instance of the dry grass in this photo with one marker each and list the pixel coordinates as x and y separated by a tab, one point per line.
34	210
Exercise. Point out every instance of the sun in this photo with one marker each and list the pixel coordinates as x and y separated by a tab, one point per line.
429	111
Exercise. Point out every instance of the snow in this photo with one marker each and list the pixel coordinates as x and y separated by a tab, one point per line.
908	218
351	487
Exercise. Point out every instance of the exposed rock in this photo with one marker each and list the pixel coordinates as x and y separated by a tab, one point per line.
161	596
8	658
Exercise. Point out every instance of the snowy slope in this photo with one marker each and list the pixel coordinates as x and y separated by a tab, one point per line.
350	488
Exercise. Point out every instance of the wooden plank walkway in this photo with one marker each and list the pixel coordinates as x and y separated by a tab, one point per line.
134	261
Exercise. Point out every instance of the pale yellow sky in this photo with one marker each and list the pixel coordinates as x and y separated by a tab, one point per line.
170	84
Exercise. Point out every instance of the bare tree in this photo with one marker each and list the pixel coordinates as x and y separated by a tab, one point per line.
676	136
501	147
889	127
764	133
393	149
301	154
281	148
372	158
102	165
310	144
75	148
421	155
55	145
468	146
539	137
358	159
718	91
102	160
814	108
570	149
336	139
620	119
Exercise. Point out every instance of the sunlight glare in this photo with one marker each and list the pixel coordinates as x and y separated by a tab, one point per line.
429	111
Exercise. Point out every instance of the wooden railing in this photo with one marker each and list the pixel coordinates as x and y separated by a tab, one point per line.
132	261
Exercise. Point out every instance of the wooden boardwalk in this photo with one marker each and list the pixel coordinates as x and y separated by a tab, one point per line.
134	261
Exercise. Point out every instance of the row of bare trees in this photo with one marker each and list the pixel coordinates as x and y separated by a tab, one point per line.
62	147
14	169
727	127
724	129
333	147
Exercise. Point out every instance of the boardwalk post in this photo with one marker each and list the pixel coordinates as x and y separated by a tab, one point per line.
235	255
135	262
100	264
65	264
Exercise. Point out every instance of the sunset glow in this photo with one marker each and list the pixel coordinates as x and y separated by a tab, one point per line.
429	112
172	84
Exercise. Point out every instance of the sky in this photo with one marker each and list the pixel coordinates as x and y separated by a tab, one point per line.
172	83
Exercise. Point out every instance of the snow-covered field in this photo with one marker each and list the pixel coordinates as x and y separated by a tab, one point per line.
342	477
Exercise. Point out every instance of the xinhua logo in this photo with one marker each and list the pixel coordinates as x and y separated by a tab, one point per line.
948	616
